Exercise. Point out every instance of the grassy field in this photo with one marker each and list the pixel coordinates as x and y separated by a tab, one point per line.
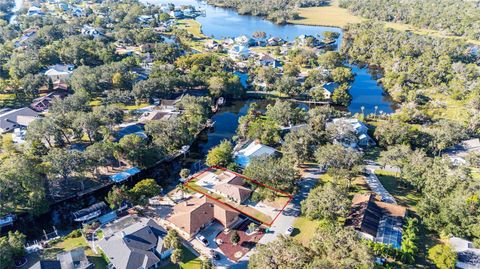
332	15
192	26
189	261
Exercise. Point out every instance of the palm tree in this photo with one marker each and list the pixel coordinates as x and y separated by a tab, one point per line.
176	256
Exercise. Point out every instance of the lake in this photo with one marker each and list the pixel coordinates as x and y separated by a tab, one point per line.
223	22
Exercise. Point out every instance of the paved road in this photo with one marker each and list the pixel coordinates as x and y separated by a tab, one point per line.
292	211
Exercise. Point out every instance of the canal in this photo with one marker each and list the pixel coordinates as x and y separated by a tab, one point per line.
367	96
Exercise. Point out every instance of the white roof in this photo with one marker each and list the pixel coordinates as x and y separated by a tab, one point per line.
256	149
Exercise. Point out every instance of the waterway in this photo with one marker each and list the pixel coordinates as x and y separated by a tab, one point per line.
367	95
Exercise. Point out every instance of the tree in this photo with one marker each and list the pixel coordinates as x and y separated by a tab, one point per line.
277	173
342	75
282	253
220	155
330	60
135	150
409	247
442	256
393	132
65	163
176	256
326	202
22	186
284	113
116	196
300	144
172	240
144	190
341	96
338	248
329	35
235	237
12	247
340	162
216	86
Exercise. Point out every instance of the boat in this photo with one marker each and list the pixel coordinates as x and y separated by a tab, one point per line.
221	101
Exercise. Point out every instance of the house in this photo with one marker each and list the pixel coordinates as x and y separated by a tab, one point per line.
59	72
43	103
211	44
91	31
244	40
157	115
468	257
239	52
459	153
73	259
376	220
35	11
27	36
329	88
177	14
197	212
11	119
351	132
252	150
266	60
138	244
18	135
275	41
77	12
170	105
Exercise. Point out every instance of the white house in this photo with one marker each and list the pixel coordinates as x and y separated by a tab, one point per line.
90	31
59	72
239	52
253	149
33	11
244	40
177	14
11	119
348	127
468	257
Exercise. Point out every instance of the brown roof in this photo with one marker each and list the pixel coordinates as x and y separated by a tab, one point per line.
192	214
234	187
367	211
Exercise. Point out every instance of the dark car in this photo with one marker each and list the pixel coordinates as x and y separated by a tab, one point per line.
215	255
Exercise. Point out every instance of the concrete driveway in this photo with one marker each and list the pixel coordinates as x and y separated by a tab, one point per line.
210	232
292	210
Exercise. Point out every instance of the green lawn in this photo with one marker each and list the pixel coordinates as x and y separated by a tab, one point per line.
304	229
404	195
72	243
189	261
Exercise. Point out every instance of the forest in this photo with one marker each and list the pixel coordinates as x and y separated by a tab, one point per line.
452	17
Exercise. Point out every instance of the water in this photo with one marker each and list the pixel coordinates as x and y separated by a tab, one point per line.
368	94
222	22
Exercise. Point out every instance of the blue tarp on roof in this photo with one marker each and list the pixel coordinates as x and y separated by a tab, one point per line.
119	177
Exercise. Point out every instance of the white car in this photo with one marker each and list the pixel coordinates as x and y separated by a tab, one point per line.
202	239
289	231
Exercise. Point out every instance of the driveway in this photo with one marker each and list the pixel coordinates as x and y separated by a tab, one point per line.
292	210
210	232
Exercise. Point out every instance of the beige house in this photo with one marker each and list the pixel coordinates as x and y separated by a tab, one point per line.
195	213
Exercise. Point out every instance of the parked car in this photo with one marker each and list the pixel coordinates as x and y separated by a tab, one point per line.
202	239
214	254
289	231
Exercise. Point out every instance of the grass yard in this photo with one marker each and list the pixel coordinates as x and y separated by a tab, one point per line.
189	261
404	196
192	26
72	243
304	229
